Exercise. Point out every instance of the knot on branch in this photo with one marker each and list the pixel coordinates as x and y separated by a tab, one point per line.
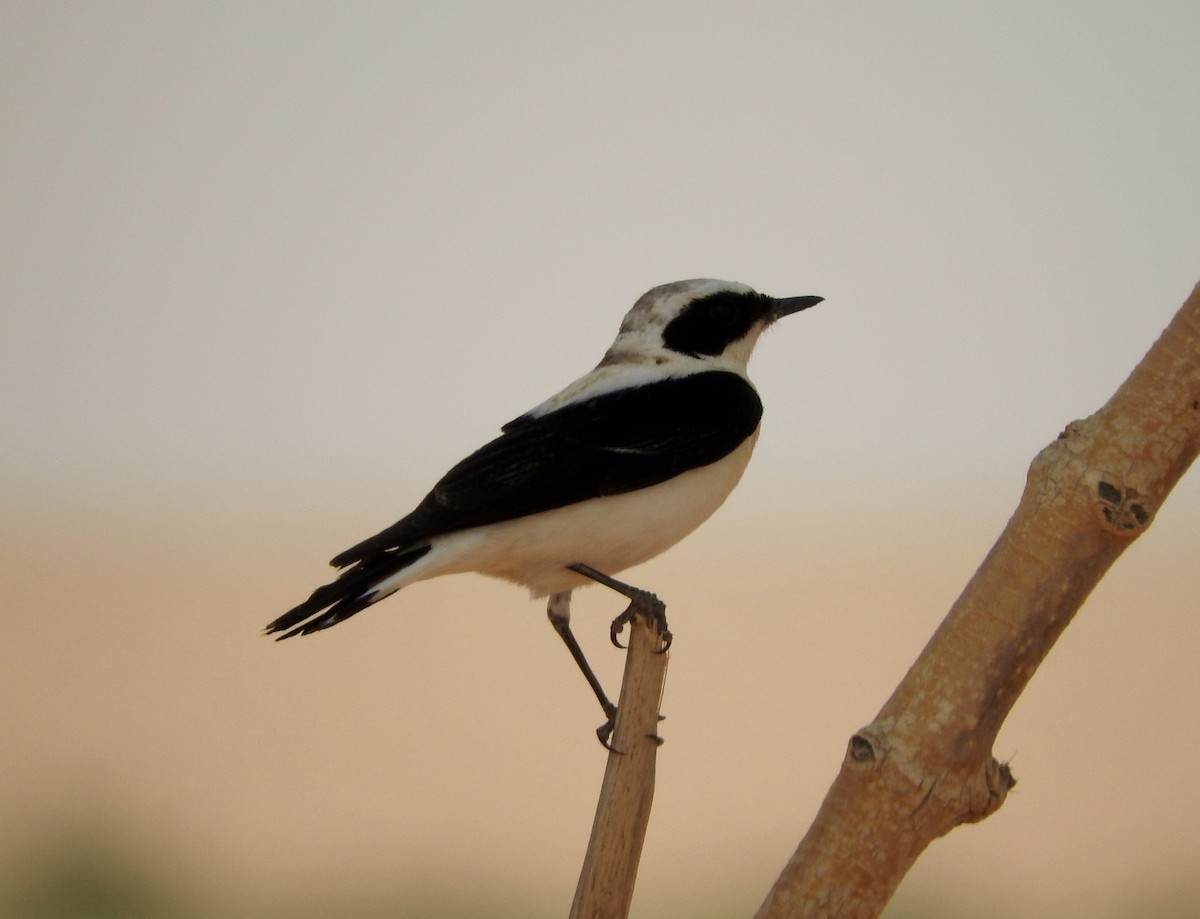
870	745
1078	471
934	783
989	791
860	751
1123	511
968	794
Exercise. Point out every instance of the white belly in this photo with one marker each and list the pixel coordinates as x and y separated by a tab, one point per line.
610	534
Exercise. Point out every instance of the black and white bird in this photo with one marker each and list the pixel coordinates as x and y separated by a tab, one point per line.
604	475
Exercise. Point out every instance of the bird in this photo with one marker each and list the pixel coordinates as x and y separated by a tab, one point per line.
605	474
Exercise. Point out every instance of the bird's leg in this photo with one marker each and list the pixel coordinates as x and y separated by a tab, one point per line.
640	601
558	610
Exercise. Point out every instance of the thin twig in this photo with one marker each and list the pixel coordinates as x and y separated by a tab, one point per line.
609	871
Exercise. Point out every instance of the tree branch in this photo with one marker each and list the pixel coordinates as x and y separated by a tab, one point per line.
924	765
606	881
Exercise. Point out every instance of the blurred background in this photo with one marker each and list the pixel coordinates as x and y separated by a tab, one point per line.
268	270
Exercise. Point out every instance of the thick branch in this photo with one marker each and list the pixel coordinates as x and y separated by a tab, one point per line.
606	881
924	765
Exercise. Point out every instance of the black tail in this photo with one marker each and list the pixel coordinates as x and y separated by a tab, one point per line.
351	592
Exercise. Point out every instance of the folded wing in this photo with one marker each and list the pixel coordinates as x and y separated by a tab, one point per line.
614	443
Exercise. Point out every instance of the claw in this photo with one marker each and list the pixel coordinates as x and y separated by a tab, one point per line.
648	605
655	611
666	637
604	732
618	625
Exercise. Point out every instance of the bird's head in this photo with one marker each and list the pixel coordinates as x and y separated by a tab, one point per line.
717	322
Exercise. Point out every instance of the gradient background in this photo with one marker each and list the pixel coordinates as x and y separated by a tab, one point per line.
268	270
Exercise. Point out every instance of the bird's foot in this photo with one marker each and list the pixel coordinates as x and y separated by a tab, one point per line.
649	607
604	732
641	603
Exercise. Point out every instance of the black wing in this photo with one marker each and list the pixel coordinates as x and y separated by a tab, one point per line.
614	443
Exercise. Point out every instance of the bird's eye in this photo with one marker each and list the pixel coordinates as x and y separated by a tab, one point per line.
723	312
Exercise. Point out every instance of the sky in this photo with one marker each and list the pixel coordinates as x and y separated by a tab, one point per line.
267	271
